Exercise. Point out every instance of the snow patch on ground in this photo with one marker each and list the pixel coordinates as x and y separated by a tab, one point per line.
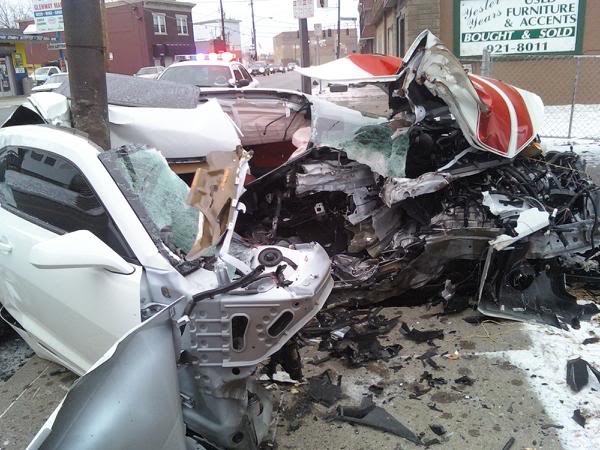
547	359
356	387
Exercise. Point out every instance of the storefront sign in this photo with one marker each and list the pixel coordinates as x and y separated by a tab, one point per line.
57	46
48	16
509	27
303	9
20	37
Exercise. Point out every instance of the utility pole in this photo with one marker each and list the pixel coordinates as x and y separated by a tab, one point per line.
222	21
305	55
337	49
87	72
255	55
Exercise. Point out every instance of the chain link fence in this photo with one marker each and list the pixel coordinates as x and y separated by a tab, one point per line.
568	85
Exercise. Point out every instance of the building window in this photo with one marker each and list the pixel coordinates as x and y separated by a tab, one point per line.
160	24
182	25
324	34
347	31
329	33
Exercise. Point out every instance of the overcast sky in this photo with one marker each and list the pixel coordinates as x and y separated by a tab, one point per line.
271	17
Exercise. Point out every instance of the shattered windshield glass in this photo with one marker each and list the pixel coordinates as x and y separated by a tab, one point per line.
366	138
143	174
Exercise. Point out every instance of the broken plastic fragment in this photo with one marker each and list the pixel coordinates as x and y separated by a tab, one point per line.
577	373
321	389
420	336
373	416
579	418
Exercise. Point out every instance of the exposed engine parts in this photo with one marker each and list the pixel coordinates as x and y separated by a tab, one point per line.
388	236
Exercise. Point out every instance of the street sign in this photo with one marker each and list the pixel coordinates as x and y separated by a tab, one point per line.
512	27
303	9
48	16
57	46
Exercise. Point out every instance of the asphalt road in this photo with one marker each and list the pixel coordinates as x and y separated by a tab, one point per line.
288	80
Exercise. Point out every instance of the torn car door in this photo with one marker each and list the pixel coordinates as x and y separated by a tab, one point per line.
128	400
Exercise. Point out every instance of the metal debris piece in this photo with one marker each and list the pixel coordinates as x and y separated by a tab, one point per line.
420	336
371	415
321	389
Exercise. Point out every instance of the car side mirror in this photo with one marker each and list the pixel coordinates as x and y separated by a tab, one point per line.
243	83
338	88
79	249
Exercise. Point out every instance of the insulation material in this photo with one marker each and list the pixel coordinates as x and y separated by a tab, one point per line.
214	193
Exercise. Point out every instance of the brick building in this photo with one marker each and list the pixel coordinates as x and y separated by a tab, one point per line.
286	45
147	33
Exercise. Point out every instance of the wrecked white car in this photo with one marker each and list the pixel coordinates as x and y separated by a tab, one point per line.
452	197
94	243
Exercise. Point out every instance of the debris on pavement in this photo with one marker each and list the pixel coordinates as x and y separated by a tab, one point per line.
509	444
371	415
579	418
321	389
420	336
577	373
465	380
437	429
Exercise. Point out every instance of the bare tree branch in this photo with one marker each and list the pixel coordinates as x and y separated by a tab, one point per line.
11	11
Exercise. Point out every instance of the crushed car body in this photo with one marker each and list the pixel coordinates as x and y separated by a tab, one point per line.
453	196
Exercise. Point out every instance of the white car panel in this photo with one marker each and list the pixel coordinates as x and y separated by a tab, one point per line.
178	133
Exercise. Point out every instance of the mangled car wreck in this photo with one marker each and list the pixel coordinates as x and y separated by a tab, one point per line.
460	202
451	197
